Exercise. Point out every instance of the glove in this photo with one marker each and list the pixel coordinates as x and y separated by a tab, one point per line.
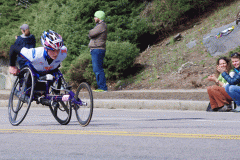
49	77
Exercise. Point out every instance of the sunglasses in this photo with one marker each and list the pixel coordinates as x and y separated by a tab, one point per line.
235	55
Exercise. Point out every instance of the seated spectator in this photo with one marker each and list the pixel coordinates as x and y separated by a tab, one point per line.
219	99
232	88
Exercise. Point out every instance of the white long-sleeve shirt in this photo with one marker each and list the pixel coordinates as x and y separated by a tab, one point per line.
38	58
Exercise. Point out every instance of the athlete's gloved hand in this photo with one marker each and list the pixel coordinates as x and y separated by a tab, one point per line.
49	77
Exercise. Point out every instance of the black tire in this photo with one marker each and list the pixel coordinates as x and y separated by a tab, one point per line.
63	112
84	112
21	96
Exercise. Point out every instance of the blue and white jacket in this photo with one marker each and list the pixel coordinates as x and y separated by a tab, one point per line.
38	58
232	80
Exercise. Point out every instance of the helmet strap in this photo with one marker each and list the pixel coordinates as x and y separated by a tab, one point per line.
49	59
47	56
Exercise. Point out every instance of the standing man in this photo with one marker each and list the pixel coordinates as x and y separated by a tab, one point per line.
26	40
97	45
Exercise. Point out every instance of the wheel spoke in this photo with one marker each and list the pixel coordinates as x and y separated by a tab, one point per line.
25	80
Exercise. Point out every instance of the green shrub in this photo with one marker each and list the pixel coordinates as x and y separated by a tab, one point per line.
79	69
73	19
118	58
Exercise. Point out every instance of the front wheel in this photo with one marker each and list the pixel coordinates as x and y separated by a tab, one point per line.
62	111
21	96
84	112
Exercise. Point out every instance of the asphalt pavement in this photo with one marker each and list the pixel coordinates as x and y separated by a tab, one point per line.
194	99
123	134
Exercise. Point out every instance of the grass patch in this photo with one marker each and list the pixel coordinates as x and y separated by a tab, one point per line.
202	62
205	77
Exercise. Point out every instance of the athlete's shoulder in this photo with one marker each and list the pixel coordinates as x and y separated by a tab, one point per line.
64	49
24	49
39	49
37	52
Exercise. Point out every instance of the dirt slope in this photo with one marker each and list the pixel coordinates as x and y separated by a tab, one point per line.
190	66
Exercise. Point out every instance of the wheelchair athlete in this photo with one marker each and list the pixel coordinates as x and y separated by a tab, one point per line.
43	59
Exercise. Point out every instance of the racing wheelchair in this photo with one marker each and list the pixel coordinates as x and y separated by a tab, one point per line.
50	90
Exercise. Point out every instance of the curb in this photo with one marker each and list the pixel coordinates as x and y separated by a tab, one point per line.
140	104
151	104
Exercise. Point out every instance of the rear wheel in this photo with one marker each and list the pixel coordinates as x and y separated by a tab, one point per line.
21	96
62	111
84	112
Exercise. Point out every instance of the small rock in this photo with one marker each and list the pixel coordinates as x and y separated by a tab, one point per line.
175	38
191	44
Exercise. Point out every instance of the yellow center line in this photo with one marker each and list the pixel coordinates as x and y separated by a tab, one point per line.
123	133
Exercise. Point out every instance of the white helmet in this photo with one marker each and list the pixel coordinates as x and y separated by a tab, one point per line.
51	40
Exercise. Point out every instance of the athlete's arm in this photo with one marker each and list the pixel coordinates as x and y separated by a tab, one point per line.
14	51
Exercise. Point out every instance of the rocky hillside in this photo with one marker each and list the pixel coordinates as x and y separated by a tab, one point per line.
181	61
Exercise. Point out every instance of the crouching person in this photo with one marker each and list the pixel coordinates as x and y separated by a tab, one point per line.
219	99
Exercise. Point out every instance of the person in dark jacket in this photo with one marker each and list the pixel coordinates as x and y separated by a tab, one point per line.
232	88
26	40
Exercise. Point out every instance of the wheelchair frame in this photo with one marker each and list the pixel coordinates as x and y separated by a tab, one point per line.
57	95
